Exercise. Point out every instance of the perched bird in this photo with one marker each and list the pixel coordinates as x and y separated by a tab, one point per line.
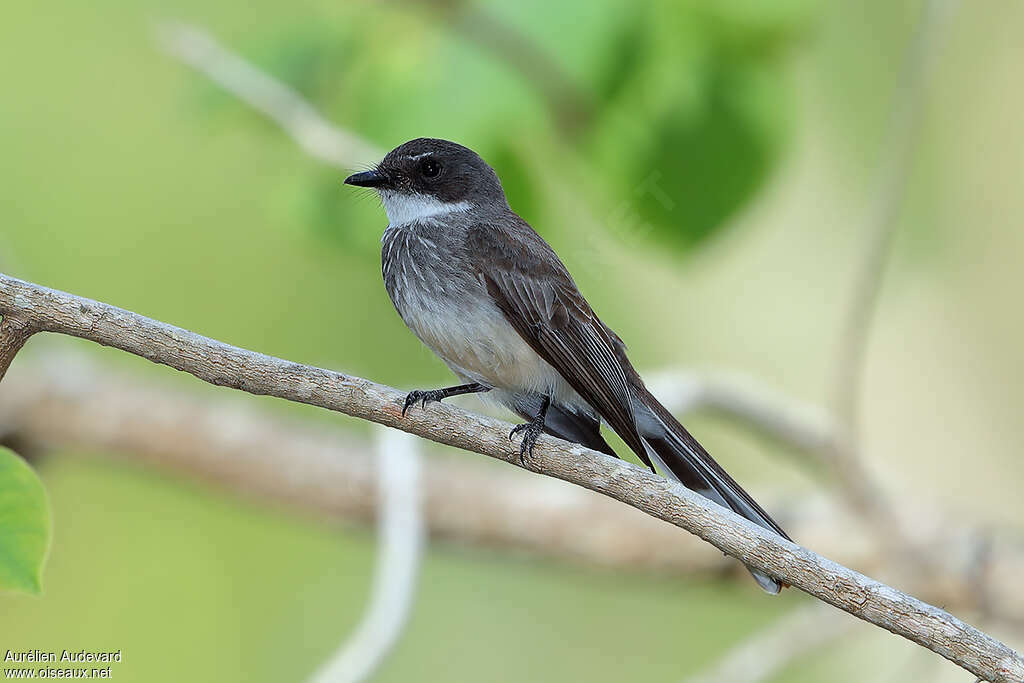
488	295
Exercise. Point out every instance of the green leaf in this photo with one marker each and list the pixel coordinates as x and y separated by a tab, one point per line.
695	124
24	525
710	160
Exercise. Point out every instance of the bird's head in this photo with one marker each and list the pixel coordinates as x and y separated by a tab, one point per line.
427	176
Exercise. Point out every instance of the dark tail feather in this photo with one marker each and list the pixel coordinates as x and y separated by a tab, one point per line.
675	450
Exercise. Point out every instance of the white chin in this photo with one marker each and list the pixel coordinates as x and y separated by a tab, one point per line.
410	208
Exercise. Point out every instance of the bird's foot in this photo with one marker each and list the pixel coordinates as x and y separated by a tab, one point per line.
531	430
424	397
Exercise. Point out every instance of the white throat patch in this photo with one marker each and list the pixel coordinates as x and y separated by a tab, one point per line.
410	208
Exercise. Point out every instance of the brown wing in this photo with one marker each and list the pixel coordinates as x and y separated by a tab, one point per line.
531	286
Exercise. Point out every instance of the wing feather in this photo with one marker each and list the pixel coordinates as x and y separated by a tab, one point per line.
536	294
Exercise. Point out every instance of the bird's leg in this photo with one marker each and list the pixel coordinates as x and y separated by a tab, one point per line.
532	430
425	397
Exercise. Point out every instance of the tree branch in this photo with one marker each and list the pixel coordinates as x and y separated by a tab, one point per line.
14	332
769	651
784	419
224	365
64	401
314	134
571	107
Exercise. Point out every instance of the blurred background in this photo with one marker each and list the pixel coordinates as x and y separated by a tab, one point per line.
707	171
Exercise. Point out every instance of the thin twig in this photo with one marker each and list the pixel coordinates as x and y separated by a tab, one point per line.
315	135
842	452
571	108
900	140
795	424
857	483
767	652
225	365
400	539
804	429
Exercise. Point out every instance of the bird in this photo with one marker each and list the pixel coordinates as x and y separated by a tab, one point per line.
488	295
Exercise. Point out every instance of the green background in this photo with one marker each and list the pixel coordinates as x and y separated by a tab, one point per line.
128	178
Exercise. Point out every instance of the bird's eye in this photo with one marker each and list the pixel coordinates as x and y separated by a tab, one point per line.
430	169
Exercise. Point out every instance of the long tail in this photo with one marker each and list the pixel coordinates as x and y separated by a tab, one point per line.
679	455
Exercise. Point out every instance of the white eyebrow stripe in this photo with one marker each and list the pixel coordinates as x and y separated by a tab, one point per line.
414	157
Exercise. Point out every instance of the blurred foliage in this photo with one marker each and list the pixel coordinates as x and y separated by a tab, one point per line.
193	585
24	525
690	101
131	179
697	110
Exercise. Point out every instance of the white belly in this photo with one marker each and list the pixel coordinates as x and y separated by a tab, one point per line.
478	344
451	312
